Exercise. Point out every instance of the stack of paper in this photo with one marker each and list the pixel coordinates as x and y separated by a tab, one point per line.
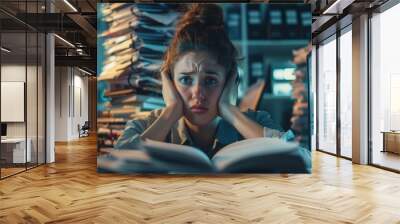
300	116
134	45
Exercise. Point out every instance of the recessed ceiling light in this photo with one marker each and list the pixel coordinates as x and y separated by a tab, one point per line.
5	50
64	40
337	7
84	71
70	5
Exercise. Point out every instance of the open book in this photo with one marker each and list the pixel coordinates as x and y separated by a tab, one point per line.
257	155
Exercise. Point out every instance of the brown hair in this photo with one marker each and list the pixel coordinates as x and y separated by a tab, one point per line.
201	28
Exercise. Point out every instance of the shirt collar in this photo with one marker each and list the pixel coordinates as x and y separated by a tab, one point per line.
185	138
225	133
183	133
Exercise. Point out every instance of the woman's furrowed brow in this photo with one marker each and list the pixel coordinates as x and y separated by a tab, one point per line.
187	73
214	73
192	72
210	72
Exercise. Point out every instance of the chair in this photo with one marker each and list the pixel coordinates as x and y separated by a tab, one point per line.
253	96
84	130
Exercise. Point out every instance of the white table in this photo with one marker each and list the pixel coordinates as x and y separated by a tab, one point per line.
18	145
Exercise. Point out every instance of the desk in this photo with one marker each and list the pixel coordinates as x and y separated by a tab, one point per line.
16	147
391	141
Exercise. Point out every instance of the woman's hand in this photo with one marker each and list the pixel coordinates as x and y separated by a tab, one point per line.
229	112
160	128
173	101
228	97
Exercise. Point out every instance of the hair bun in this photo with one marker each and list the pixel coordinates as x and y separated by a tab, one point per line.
207	14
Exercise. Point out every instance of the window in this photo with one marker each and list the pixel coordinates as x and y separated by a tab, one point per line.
22	74
385	85
346	93
327	96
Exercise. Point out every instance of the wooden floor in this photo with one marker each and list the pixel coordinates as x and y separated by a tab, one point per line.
70	191
10	171
387	159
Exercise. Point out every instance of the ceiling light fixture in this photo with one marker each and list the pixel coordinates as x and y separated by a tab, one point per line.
64	40
337	7
70	5
331	7
84	71
5	50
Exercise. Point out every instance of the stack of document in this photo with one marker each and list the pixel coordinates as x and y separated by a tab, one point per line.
300	115
134	43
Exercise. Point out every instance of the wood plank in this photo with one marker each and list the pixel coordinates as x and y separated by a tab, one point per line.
71	191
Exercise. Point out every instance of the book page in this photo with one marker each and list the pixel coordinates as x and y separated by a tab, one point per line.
127	161
258	155
180	154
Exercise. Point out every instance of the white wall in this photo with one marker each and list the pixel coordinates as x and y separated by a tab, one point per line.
12	73
80	110
61	103
71	94
33	127
16	73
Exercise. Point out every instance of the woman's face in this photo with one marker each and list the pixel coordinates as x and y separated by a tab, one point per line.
199	80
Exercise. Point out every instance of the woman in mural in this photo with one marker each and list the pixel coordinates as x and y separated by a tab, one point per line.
199	78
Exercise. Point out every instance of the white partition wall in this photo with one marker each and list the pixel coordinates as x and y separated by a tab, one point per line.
14	67
22	101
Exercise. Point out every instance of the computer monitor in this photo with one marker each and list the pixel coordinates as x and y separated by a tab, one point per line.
3	129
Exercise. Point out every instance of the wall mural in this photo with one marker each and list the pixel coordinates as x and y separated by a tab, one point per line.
203	88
